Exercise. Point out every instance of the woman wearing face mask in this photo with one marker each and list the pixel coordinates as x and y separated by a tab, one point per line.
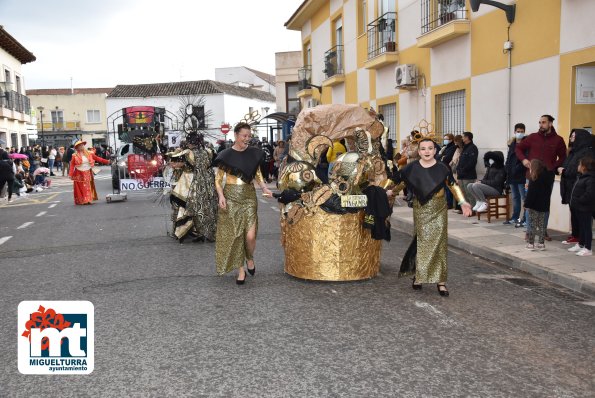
445	156
237	219
580	144
515	177
492	182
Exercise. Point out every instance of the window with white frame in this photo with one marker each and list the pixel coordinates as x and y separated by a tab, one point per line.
93	116
450	113
389	111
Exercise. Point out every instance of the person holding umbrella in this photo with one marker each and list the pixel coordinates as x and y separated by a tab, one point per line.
80	173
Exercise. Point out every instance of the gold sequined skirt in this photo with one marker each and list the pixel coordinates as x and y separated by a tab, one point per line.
431	221
330	247
232	225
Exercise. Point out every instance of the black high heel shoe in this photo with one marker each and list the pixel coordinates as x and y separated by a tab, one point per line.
241	281
443	292
415	286
251	271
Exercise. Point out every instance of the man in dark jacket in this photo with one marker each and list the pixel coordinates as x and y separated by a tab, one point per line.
492	183
466	173
66	159
547	146
515	177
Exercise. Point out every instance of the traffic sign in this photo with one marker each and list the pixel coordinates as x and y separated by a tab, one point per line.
225	127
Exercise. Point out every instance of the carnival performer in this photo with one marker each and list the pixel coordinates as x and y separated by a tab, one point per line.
80	172
237	221
426	177
201	204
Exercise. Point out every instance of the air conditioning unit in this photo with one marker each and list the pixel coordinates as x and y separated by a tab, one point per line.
406	76
311	103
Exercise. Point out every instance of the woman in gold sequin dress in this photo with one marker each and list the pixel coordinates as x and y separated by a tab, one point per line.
426	256
237	221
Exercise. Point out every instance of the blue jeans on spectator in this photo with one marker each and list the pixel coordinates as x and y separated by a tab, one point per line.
518	197
51	165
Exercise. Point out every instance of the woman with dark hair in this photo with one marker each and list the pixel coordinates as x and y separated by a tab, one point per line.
537	202
426	178
580	144
237	220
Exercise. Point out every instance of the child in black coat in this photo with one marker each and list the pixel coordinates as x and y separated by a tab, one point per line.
582	201
537	203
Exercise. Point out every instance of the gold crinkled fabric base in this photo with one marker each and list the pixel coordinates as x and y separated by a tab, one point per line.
330	247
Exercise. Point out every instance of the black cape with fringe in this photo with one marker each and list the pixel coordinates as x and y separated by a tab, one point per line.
242	164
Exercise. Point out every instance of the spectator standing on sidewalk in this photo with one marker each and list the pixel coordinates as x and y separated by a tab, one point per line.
445	156
537	203
66	160
6	173
515	176
52	159
582	203
547	146
492	183
580	145
59	156
466	172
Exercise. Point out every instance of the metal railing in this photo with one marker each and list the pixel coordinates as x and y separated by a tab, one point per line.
304	77
435	13
71	125
333	61
381	35
16	101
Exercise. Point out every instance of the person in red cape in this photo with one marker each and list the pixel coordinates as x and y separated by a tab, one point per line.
80	172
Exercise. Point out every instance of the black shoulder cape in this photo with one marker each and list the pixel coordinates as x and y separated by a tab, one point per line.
425	182
242	164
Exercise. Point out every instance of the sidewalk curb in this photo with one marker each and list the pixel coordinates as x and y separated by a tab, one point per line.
567	281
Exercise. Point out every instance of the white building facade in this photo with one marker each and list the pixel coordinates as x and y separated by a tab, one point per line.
15	108
226	103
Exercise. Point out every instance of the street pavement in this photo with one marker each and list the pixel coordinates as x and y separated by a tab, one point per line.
166	325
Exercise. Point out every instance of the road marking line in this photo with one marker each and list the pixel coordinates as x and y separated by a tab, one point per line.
443	318
25	225
262	200
41	213
4	239
275	208
52	206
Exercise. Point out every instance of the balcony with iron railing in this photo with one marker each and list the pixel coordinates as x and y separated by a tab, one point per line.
15	106
382	44
442	20
69	125
333	66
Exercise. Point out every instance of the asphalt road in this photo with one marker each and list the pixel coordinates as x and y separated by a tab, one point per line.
166	325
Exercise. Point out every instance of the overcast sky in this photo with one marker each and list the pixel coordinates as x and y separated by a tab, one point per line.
109	42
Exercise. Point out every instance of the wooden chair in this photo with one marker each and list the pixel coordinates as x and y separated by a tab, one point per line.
498	205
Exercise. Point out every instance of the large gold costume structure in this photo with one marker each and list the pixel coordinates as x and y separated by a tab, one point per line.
320	245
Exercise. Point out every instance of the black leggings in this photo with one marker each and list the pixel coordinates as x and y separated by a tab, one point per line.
4	180
585	228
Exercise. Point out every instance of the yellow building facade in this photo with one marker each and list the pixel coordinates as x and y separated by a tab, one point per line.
459	70
70	114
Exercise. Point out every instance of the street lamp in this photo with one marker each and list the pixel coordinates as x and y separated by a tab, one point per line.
266	109
40	109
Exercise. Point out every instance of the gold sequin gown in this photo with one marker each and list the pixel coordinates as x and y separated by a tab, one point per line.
427	254
234	222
